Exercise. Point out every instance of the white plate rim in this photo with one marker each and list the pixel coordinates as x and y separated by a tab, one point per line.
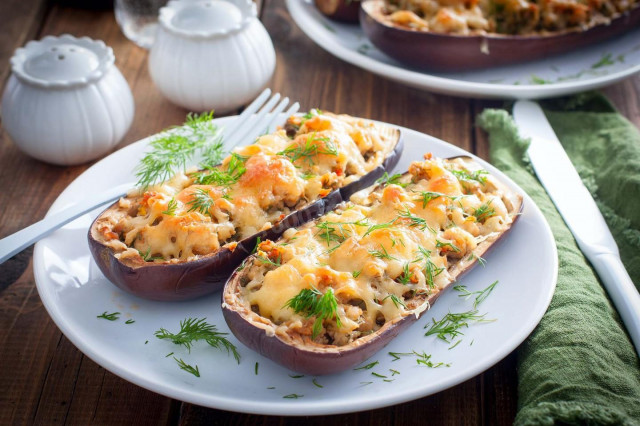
307	407
448	86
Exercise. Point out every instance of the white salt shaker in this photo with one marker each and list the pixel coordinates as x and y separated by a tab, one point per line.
66	102
211	54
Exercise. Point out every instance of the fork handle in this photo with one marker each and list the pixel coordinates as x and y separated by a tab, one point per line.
22	239
622	292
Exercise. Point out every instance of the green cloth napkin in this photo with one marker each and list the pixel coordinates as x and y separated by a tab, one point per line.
579	365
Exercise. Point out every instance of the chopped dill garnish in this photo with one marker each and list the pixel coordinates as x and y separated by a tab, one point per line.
271	387
368	366
356	274
194	329
449	326
447	246
110	317
425	359
405	277
455	344
485	211
481	260
171	151
391	180
372	228
296	376
381	254
414	221
396	300
382	376
168	355
311	148
255	369
171	207
396	355
481	295
431	270
316	383
426	196
313	303
277	262
477	175
130	321
365	383
201	201
307	175
394	372
186	367
146	256
293	396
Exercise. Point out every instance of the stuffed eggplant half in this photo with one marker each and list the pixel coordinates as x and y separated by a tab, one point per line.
331	293
181	239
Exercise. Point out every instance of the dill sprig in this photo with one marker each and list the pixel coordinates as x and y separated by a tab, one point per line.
264	259
485	211
426	196
201	201
217	176
414	221
368	366
312	147
293	396
146	256
405	277
450	325
421	359
171	150
171	207
466	175
381	254
447	246
186	367
311	302
481	295
431	270
391	180
377	226
396	300
194	329
111	317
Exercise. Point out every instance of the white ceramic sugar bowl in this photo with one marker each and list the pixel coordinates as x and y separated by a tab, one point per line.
211	54
66	102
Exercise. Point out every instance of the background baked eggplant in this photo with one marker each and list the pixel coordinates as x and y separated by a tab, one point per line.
452	52
176	279
340	10
306	341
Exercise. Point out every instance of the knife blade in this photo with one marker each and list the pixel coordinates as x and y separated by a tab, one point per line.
579	211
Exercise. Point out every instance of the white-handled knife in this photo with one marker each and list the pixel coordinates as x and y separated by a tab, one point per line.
579	211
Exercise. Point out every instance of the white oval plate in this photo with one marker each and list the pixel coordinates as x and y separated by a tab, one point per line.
74	292
584	69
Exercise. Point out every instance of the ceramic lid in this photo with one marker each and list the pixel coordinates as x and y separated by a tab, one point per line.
207	18
63	61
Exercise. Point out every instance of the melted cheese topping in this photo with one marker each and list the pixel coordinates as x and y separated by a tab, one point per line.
194	215
502	16
383	254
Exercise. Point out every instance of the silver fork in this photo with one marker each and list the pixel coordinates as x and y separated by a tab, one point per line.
246	127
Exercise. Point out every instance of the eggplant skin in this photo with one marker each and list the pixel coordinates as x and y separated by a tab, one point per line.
327	359
452	52
195	278
340	10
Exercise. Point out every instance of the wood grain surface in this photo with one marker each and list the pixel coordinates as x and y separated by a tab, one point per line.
46	380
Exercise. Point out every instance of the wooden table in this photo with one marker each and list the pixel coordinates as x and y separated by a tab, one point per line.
45	379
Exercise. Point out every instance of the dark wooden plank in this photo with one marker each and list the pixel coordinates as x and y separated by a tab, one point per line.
20	21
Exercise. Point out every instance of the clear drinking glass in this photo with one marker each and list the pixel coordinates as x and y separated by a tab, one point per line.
138	19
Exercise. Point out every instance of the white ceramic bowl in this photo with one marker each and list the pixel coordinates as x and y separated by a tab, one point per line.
66	102
211	54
